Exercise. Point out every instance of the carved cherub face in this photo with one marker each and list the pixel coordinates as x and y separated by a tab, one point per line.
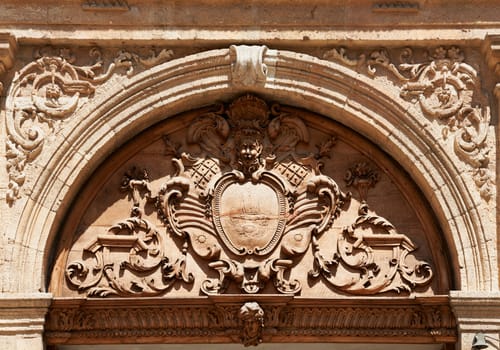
249	152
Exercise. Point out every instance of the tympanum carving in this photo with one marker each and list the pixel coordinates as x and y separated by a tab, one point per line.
49	90
249	205
448	90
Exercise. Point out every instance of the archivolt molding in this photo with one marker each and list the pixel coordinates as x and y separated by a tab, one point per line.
48	91
110	119
448	90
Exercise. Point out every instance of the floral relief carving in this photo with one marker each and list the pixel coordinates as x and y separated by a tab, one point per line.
249	205
48	91
447	89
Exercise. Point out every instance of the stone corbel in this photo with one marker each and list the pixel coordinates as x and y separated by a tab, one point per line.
247	65
8	48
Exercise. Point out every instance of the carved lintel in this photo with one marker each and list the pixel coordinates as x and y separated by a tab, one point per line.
8	48
199	320
247	67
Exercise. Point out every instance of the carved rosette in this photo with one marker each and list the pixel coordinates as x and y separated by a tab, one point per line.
48	91
250	206
447	90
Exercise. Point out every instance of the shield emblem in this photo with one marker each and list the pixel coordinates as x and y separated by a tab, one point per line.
249	217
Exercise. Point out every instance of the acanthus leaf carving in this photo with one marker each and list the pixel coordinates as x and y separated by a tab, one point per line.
447	89
250	205
48	91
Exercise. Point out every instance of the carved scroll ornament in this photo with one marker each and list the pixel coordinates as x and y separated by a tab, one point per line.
251	206
448	90
46	92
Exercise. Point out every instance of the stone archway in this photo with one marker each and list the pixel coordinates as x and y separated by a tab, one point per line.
300	80
123	110
237	228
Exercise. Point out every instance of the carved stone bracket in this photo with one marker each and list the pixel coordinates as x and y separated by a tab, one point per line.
448	90
223	321
247	67
48	91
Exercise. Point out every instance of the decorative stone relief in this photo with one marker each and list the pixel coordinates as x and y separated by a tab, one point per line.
448	90
252	318
146	255
357	245
249	205
247	67
49	90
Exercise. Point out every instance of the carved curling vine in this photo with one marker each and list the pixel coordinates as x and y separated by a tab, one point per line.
46	92
356	266
146	272
446	89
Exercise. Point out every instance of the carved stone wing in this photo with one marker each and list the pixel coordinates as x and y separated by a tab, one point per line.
314	209
186	216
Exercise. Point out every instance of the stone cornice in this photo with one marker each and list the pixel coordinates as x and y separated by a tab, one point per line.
23	313
476	309
8	48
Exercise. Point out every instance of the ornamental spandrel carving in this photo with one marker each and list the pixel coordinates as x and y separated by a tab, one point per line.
47	91
447	89
249	206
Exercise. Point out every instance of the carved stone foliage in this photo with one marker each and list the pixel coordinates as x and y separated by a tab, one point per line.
163	320
448	90
48	91
248	205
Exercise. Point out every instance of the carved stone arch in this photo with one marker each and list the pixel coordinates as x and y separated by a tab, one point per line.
123	110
